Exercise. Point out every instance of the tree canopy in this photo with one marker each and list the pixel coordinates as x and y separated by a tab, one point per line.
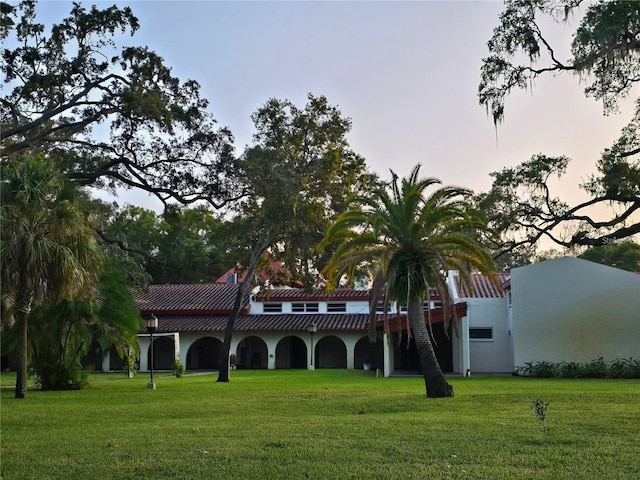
110	118
605	54
624	255
180	245
298	173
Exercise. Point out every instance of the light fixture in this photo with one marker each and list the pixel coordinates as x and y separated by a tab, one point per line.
151	321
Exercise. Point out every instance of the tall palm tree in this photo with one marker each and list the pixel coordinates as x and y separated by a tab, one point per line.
411	239
47	250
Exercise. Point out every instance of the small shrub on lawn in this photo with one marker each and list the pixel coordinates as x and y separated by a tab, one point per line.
540	407
598	368
178	368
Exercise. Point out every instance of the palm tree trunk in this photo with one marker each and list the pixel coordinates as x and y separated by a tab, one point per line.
23	309
435	382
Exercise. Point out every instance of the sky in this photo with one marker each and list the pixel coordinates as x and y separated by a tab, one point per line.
406	73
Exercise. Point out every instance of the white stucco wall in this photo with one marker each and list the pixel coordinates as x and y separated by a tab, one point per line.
495	355
257	308
482	355
570	309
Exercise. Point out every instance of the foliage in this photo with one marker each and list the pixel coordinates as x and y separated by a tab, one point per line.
117	321
623	255
178	368
252	428
61	375
597	368
297	174
47	250
65	333
60	337
109	118
540	407
411	240
606	55
182	245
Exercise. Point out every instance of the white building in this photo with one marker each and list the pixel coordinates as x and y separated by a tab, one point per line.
570	309
559	310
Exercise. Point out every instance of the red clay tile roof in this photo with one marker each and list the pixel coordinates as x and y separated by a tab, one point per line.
189	298
348	322
299	294
483	287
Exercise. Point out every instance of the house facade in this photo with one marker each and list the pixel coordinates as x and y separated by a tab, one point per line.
560	310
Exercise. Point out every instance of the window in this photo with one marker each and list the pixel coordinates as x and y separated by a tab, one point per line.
272	307
304	307
335	307
434	304
380	307
481	333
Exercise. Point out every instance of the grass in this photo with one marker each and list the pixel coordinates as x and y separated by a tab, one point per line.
300	424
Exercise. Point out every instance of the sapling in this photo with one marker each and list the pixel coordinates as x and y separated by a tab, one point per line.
540	407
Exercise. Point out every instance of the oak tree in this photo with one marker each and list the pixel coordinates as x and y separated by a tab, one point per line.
110	116
298	174
605	54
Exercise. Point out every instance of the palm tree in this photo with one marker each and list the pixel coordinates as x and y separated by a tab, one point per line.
411	239
47	250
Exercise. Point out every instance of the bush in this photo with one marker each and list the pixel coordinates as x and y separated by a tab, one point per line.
65	375
538	369
598	368
178	368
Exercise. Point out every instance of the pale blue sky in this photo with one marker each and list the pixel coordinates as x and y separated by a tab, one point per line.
405	72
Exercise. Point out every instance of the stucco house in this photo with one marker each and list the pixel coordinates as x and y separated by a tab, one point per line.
566	309
272	331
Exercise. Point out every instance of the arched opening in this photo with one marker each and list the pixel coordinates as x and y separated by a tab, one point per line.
330	352
252	353
164	353
115	362
407	359
368	353
204	354
291	352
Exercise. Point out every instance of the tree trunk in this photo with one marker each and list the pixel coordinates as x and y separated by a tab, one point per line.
23	309
223	374
266	238
435	382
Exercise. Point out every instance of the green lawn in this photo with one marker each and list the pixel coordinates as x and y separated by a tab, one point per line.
300	424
